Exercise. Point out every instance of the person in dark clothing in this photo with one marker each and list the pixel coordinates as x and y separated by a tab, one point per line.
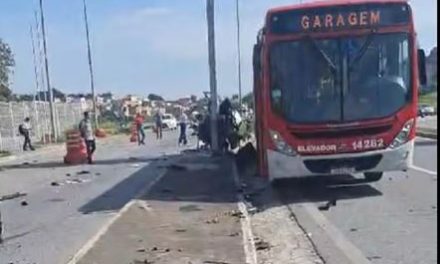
24	130
183	123
86	129
159	124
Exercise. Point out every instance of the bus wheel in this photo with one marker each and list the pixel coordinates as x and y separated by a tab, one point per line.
373	176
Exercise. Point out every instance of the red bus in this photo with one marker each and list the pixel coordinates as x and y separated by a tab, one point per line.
335	87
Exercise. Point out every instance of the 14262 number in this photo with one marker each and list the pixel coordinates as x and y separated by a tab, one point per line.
368	144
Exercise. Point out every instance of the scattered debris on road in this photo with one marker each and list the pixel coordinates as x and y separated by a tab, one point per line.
261	244
190	208
181	230
213	221
177	167
215	262
327	206
353	229
24	203
146	261
374	257
54	183
12	196
82	172
75	181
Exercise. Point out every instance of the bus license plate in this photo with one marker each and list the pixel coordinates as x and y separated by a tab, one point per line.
343	170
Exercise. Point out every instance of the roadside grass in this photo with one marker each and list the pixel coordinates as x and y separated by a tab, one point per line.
4	153
429	98
111	128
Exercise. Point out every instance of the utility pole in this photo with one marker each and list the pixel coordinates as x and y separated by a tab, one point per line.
89	56
238	52
212	73
46	66
37	84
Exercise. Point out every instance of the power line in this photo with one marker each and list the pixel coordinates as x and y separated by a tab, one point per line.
46	64
237	9
37	84
89	56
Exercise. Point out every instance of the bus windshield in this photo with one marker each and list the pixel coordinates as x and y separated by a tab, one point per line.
341	79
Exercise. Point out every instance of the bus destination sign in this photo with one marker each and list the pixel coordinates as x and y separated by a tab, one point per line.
339	18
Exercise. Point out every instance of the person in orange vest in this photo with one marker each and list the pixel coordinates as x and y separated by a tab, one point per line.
139	121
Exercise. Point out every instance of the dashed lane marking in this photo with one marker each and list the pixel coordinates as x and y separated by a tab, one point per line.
89	244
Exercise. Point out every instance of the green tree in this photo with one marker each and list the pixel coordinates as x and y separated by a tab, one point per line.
155	97
248	99
7	62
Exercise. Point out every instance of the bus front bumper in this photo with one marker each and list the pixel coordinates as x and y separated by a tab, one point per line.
284	166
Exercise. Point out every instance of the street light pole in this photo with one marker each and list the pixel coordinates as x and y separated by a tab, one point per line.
212	73
46	66
89	56
238	52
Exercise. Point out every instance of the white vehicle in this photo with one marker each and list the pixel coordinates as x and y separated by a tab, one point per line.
169	122
426	110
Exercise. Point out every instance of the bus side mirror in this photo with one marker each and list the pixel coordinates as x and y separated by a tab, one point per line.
256	60
422	66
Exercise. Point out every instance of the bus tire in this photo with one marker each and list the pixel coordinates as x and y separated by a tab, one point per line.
373	176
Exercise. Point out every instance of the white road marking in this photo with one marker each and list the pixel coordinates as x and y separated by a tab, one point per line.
89	244
354	254
246	228
433	173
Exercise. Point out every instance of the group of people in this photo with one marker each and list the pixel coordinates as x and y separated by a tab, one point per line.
158	120
87	132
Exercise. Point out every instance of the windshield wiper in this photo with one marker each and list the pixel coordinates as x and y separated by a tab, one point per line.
362	50
323	54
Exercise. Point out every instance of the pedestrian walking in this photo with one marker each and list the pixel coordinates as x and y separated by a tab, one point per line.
159	124
86	129
25	130
183	124
139	121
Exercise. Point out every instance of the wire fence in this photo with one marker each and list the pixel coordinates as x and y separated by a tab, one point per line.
12	114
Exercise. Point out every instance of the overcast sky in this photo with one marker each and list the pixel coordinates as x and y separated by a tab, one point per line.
148	46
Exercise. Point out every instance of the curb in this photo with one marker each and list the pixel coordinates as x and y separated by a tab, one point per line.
427	133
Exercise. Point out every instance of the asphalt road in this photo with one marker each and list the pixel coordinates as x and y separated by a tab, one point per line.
59	220
392	221
388	222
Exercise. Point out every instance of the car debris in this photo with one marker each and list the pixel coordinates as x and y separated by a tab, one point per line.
262	245
145	261
327	206
24	203
177	167
12	196
54	183
82	172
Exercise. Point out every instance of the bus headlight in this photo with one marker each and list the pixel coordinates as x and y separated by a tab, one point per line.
280	144
403	135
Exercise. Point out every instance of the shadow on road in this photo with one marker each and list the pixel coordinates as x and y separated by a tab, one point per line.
192	178
126	190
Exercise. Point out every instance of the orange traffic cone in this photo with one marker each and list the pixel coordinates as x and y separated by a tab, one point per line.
76	148
134	133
